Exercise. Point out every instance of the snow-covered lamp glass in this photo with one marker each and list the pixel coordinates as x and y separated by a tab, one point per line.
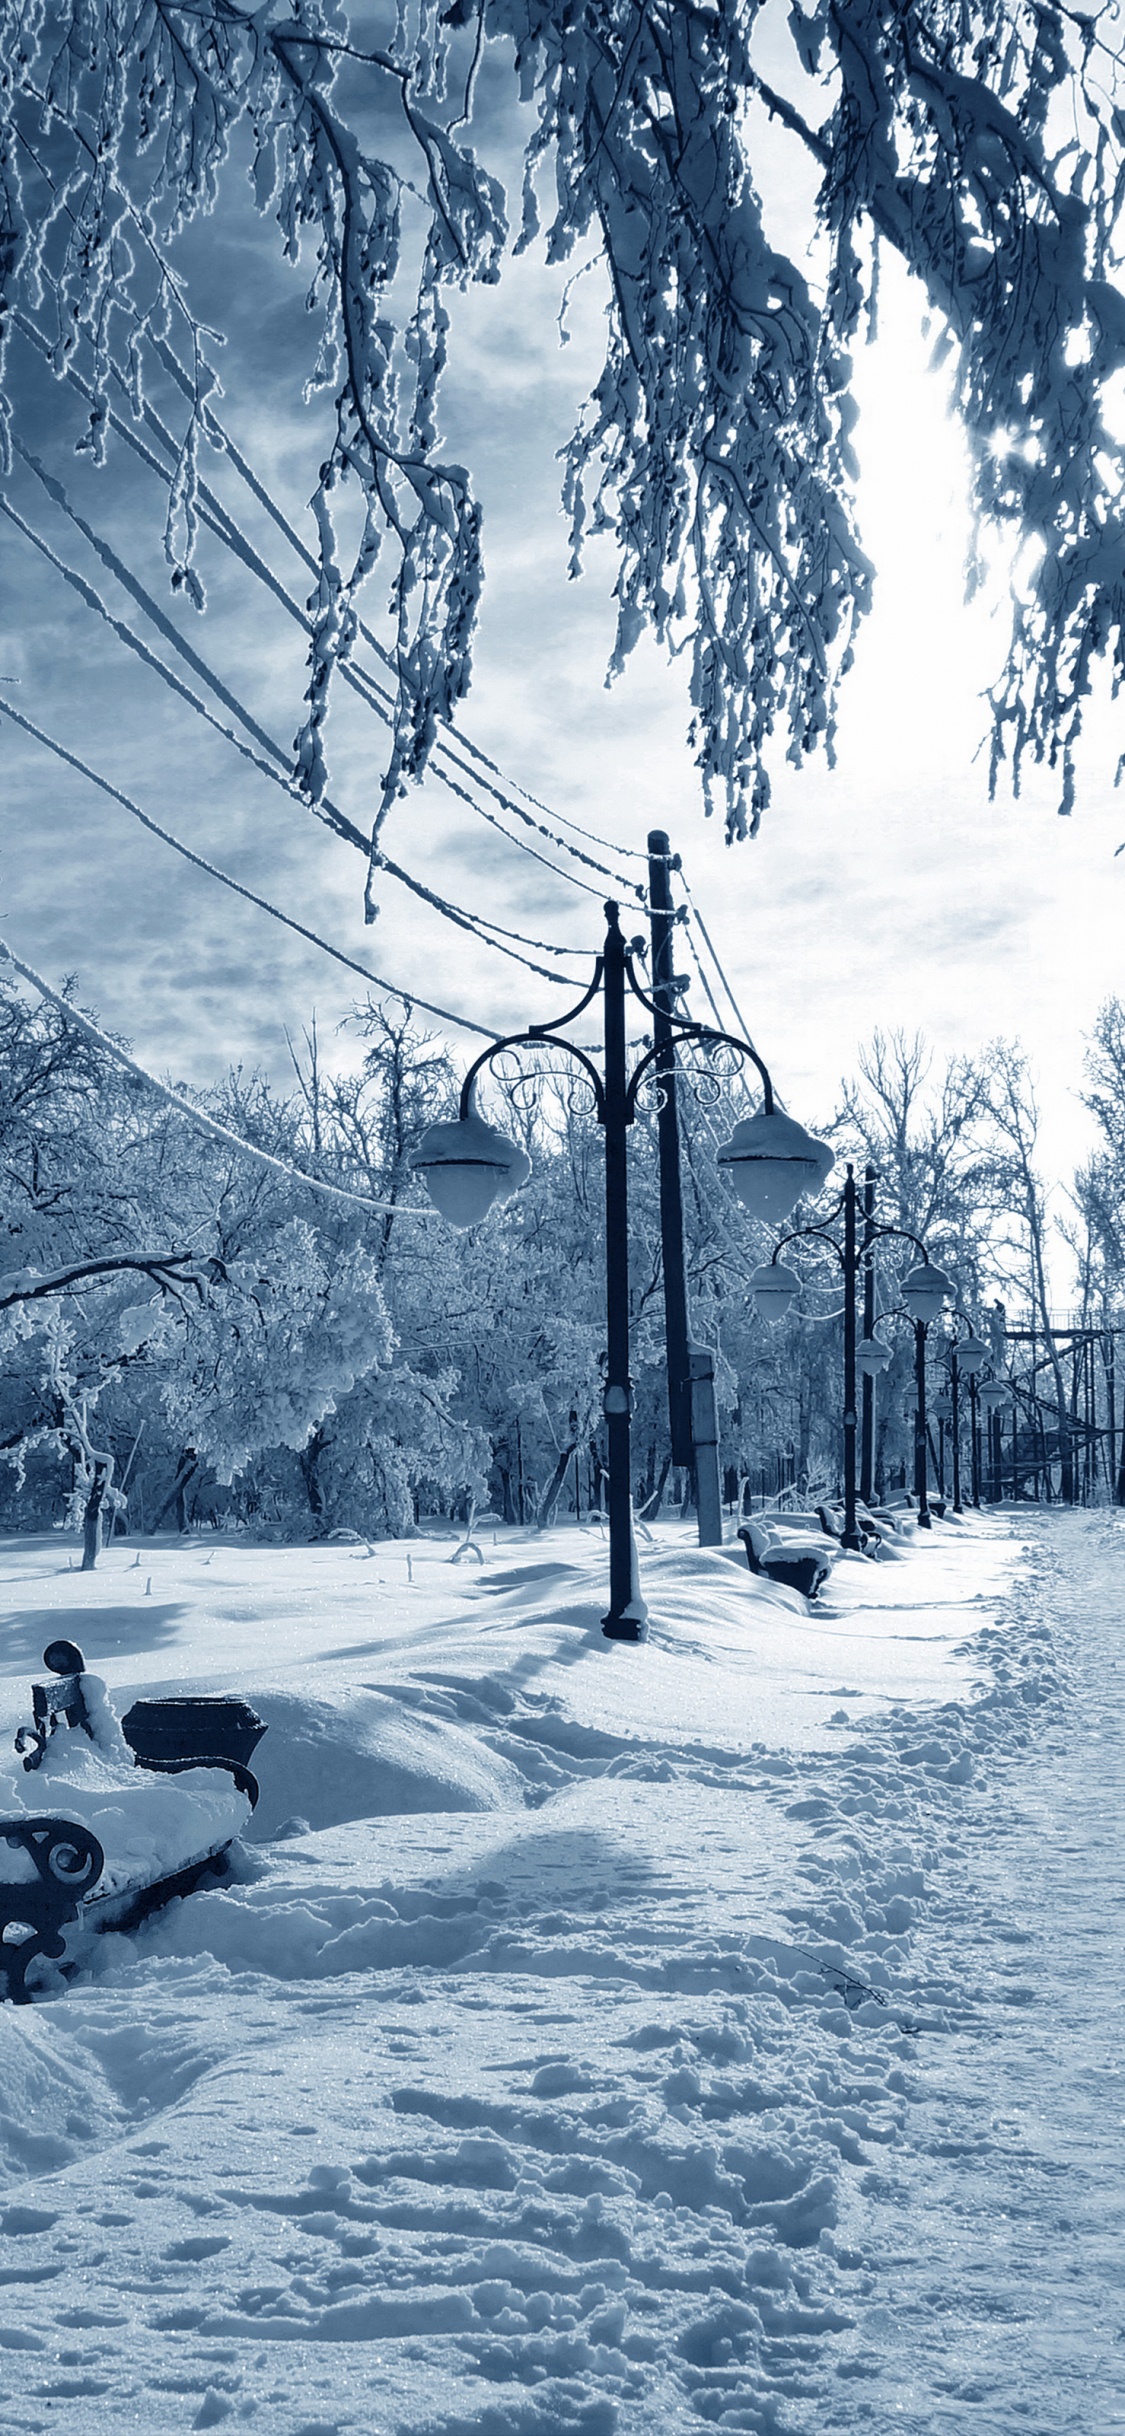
972	1354
871	1357
771	1161
994	1396
924	1290
466	1166
774	1288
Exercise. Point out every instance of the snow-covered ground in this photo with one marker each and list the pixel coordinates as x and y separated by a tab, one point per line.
597	2039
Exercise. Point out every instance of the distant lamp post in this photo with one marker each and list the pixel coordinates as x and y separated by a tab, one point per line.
772	1161
943	1415
924	1291
774	1287
872	1358
994	1397
967	1354
467	1165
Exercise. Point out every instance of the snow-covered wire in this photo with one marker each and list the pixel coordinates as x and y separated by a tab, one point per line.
703	981
214	871
92	599
277	769
377	698
694	915
223	440
470	922
196	1116
150	608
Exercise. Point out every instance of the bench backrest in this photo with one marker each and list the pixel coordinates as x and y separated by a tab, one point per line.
192	1726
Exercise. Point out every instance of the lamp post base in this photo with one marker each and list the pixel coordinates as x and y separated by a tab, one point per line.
622	1628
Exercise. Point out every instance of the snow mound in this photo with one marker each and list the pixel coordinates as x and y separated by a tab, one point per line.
363	1755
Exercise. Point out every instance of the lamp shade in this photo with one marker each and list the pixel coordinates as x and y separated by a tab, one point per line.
994	1395
771	1161
924	1290
972	1354
774	1288
872	1357
943	1406
466	1166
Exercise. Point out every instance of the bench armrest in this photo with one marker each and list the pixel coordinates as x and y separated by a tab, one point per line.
244	1778
46	1867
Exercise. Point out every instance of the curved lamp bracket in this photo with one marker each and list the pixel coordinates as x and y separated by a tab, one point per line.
537	1036
694	1032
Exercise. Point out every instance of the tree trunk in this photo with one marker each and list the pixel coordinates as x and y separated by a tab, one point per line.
651	1507
553	1490
92	1518
188	1464
309	1460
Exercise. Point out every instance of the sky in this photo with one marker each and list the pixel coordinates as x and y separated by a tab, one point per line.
886	893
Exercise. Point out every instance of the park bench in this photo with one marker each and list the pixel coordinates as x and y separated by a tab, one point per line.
873	1528
796	1559
93	1832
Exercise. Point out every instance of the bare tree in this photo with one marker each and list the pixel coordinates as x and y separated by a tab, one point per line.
1015	1115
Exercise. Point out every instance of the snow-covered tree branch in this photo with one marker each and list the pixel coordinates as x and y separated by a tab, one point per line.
982	143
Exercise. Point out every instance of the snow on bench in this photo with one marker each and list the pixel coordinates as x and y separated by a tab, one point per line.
97	1827
795	1558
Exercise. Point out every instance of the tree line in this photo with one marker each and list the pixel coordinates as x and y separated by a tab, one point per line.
190	1335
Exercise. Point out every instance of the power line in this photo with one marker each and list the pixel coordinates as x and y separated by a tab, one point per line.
168	357
696	916
196	1116
227	531
464	921
132	642
214	872
224	527
375	697
200	405
277	770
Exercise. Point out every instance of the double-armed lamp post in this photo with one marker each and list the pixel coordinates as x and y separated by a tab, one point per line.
467	1165
774	1287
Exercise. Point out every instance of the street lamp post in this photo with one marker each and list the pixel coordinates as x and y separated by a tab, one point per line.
995	1398
467	1165
943	1415
967	1353
955	1427
774	1287
925	1519
867	1389
974	1438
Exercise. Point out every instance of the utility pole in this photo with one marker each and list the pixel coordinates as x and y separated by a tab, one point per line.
622	1623
691	1393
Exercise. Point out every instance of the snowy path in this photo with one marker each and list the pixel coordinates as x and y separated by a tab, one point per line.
723	2033
999	2300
